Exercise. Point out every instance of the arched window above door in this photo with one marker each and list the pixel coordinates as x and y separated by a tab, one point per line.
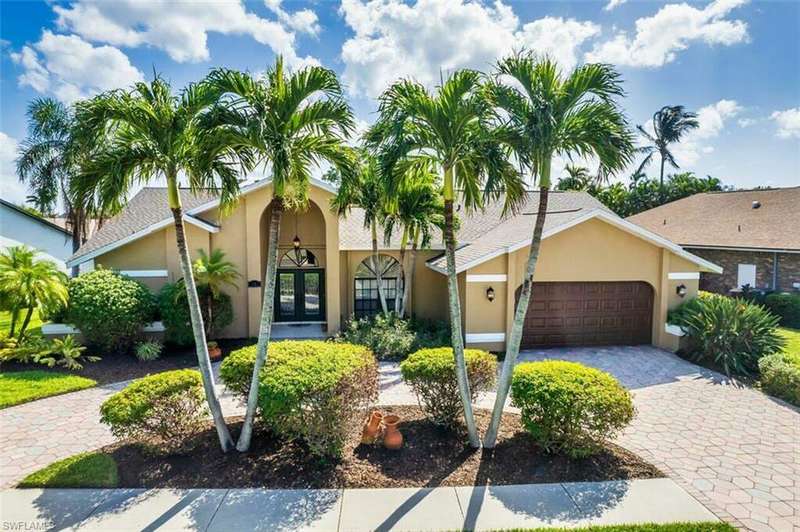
367	302
298	258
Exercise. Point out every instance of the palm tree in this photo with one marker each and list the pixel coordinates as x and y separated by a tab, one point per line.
366	188
418	209
27	284
578	178
292	121
452	130
148	133
47	163
213	273
552	114
670	123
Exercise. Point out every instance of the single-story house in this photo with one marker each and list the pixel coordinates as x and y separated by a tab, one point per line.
600	279
20	227
753	234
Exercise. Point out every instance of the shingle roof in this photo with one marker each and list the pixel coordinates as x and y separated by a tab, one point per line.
149	206
728	219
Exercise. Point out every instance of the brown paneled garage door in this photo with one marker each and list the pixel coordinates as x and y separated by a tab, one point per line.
601	313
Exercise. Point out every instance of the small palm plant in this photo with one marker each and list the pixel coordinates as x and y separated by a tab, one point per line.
213	272
28	284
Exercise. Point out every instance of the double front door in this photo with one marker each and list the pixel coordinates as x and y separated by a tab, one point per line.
299	295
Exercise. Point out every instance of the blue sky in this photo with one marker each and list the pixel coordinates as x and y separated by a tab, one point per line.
736	63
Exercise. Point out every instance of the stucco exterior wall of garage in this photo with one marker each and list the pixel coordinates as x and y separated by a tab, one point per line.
428	293
591	251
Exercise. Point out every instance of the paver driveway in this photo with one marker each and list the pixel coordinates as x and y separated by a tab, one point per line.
735	449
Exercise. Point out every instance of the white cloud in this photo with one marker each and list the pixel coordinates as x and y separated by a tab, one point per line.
673	28
746	122
394	39
71	68
613	4
10	187
788	122
712	119
181	28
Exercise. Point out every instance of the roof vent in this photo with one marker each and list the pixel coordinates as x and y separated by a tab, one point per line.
756	204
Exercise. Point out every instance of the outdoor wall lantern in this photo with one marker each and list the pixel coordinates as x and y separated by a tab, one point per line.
490	294
681	290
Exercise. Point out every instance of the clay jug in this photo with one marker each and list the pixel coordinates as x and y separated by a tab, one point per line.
392	438
372	428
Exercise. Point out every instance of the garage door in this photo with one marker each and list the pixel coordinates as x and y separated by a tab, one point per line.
572	314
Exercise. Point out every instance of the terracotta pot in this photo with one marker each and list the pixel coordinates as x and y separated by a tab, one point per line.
372	427
215	353
392	438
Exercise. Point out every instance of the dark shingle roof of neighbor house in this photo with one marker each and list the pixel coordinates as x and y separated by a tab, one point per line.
482	234
729	219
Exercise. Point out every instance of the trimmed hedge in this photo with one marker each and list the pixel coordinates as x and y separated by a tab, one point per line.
313	391
780	376
568	407
431	373
109	309
786	307
162	411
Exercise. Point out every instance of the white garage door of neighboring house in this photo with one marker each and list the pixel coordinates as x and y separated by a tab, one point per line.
746	275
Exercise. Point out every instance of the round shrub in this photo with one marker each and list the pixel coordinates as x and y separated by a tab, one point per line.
389	337
568	407
309	390
786	307
161	411
109	309
431	373
174	308
780	376
731	333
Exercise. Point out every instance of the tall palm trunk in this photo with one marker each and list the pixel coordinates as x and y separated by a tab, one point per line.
376	267
455	311
76	242
398	298
409	281
14	318
203	360
661	181
512	346
265	327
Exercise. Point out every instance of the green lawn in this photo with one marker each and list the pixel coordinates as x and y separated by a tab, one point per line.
669	527
85	470
35	326
792	337
23	386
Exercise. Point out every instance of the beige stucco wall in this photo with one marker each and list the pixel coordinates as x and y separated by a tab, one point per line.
591	251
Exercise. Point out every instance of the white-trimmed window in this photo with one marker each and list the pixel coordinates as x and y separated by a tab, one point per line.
367	302
746	275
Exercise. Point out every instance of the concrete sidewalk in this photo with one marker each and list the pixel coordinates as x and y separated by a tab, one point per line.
479	508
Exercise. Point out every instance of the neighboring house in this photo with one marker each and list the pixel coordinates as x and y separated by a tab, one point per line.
18	226
753	234
600	279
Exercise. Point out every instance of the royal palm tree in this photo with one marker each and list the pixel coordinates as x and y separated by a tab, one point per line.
28	284
47	163
554	114
213	272
293	122
453	130
366	188
578	178
148	133
670	123
418	210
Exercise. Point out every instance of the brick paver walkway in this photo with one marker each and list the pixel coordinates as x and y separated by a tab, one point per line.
733	448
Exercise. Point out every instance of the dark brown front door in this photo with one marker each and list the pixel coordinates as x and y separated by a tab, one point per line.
599	313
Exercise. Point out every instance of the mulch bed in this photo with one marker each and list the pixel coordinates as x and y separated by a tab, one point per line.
430	457
122	367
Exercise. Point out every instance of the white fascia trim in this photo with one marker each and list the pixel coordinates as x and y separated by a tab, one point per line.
487	278
145	273
485	338
754	250
319	183
137	235
683	276
607	217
